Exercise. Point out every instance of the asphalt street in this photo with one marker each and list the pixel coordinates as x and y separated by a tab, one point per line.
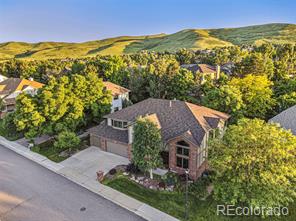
29	192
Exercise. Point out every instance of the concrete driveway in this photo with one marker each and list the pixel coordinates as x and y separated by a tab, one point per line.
87	162
29	192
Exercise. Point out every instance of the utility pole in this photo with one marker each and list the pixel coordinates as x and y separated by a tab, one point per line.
186	195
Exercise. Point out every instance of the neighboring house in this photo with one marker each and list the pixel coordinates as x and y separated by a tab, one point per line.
10	88
2	77
119	95
287	119
185	129
204	69
228	68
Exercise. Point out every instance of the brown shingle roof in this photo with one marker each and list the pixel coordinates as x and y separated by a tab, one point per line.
175	117
153	118
206	68
11	85
207	118
109	132
115	89
202	68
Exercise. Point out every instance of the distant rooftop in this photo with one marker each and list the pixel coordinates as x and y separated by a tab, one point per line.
202	68
115	89
11	85
287	119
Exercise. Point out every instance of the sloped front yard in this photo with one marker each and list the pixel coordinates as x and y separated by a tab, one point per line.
173	203
48	150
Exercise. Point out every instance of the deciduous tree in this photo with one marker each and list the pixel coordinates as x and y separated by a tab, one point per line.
147	145
256	95
255	164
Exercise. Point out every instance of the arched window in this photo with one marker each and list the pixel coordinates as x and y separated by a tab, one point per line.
183	143
182	154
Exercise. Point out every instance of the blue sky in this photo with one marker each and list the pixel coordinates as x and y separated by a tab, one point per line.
84	20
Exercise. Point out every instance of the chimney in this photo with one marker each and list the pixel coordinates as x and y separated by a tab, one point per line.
217	72
170	103
31	79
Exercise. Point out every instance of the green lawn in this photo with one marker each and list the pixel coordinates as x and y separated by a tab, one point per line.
48	150
173	203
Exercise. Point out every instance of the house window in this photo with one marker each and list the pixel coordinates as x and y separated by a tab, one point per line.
182	162
119	124
116	97
182	154
116	109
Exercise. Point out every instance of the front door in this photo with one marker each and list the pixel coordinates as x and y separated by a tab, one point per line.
165	158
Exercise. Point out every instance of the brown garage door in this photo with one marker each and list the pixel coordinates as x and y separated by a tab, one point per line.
118	149
95	140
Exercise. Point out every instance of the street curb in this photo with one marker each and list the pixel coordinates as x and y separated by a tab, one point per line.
35	157
143	210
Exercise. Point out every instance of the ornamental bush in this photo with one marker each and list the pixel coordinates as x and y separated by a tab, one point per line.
66	140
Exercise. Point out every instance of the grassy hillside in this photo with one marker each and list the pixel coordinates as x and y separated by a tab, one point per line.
189	38
277	33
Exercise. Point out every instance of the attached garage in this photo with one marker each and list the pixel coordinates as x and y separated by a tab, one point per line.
95	140
118	149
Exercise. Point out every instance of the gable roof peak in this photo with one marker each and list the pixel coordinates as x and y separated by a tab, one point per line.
115	89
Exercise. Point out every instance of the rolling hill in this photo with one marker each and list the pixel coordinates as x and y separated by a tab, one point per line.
189	38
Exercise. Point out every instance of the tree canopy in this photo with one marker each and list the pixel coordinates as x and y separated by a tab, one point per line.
63	104
147	145
254	164
251	96
259	83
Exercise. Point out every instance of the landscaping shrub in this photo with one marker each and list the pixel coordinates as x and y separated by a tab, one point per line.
66	140
170	179
112	171
36	148
8	128
132	168
161	184
198	188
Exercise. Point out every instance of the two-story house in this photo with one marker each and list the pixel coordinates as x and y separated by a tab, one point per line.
185	129
10	88
205	70
119	95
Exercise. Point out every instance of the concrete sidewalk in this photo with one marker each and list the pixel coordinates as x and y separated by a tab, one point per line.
147	212
24	151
